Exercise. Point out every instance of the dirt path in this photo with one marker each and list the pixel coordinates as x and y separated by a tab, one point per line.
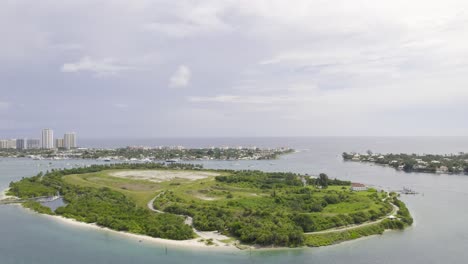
215	236
339	229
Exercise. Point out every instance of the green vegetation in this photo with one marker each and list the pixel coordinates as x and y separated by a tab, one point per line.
35	206
415	163
271	208
326	239
403	213
113	210
103	206
403	219
254	207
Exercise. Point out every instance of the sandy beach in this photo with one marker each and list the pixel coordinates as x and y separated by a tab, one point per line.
191	244
3	194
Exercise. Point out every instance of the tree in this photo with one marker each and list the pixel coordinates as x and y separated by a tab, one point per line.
323	180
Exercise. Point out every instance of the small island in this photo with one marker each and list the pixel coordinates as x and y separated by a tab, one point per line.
429	163
214	208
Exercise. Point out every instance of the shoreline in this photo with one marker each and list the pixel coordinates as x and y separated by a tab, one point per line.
3	194
187	244
191	244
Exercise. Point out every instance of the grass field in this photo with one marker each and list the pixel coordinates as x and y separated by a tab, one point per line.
207	191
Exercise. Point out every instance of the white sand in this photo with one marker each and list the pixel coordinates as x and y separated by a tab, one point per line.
206	198
3	194
162	175
192	243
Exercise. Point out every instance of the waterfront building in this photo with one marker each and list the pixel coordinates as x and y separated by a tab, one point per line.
8	144
21	143
358	187
47	138
69	140
59	143
33	144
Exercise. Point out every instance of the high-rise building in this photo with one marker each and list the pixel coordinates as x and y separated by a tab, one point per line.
8	144
21	143
3	143
69	140
33	143
47	138
59	143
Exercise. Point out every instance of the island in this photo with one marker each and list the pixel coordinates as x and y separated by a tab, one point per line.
150	154
429	163
214	208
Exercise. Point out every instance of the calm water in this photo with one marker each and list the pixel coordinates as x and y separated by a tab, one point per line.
439	235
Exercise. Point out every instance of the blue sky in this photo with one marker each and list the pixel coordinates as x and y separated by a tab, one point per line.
145	68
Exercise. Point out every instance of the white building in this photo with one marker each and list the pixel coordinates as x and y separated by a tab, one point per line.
69	140
33	144
47	138
8	144
3	143
358	187
21	143
59	143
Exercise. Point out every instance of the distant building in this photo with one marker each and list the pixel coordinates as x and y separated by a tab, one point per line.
358	187
33	144
47	138
69	140
442	169
3	143
21	143
7	143
59	143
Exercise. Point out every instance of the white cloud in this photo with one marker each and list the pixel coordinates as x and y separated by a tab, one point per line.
103	67
190	20
121	105
181	77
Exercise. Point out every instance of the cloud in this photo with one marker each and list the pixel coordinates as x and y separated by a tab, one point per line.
68	46
4	105
102	67
181	77
121	105
350	60
186	20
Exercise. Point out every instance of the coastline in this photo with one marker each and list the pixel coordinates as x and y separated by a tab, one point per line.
193	244
188	244
3	194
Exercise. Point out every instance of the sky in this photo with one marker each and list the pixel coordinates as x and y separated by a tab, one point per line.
246	68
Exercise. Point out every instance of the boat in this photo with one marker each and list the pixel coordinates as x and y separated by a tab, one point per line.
408	191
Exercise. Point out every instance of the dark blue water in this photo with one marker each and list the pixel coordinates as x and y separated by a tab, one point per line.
439	235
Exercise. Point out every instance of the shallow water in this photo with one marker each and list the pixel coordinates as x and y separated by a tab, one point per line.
439	235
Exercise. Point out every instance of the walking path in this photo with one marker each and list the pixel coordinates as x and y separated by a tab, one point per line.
339	229
213	235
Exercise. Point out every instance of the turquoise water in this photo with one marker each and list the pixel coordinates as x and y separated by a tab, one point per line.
439	235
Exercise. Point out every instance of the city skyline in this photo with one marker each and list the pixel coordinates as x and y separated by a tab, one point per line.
47	140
